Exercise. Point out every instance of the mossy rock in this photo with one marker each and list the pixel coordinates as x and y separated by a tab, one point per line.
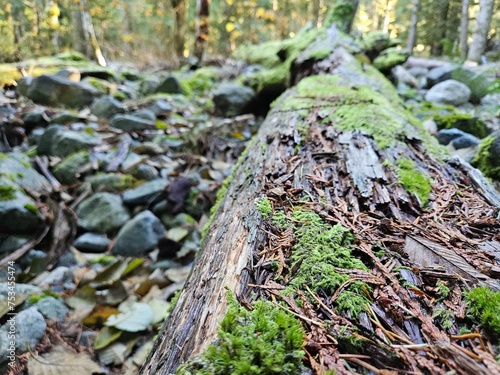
67	170
389	58
487	159
464	122
376	41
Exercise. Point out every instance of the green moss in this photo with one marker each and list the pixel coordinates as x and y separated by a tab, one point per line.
341	14
265	54
38	297
263	341
7	192
413	180
32	208
321	249
445	317
443	289
483	159
464	122
264	206
483	304
389	58
201	80
3	156
279	219
320	54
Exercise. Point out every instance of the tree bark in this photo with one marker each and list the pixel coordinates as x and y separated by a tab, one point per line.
307	153
201	37
480	35
412	33
84	38
464	28
437	45
179	7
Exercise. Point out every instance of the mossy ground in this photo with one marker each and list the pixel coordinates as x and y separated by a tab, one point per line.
483	159
484	306
413	180
265	340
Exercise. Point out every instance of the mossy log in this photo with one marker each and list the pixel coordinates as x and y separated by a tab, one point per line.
341	145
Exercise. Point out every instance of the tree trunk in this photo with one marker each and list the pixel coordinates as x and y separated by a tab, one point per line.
464	28
84	38
340	143
201	37
412	33
437	45
179	7
480	35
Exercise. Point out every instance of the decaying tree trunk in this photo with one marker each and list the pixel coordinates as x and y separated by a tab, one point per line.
335	143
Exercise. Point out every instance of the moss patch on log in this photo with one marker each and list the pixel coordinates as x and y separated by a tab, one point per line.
413	180
322	250
484	305
483	159
265	340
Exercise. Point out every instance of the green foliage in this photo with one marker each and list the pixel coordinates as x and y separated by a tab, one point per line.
264	206
483	159
483	304
31	208
413	180
44	294
443	289
445	317
7	192
279	219
263	341
320	249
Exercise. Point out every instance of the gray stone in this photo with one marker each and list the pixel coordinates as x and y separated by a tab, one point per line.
106	107
445	136
21	289
170	85
161	107
139	236
13	242
389	58
58	276
131	123
494	151
145	172
418	71
149	192
67	170
65	117
68	259
404	77
449	92
29	327
430	125
146	114
35	260
92	242
23	85
34	119
35	136
102	212
110	182
56	91
18	212
57	141
131	161
148	86
439	74
232	99
52	308
491	100
465	141
70	73
17	168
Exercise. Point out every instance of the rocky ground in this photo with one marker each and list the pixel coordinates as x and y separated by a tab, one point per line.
107	177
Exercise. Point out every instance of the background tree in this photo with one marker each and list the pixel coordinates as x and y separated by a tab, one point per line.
179	7
201	36
479	38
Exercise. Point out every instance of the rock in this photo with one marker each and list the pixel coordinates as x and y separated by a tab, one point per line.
146	114
56	91
445	136
67	171
70	73
232	99
478	83
161	107
18	212
58	276
106	107
130	123
439	74
35	260
110	182
430	125
148	86
57	141
68	259
465	141
23	85
448	92
16	167
376	41
35	118
13	242
149	192
464	122
494	152
92	242
21	289
52	308
491	100
102	212
170	85
29	328
65	117
418	71
145	172
389	58
139	236
404	77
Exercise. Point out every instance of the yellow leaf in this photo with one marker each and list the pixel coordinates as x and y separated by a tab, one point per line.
230	27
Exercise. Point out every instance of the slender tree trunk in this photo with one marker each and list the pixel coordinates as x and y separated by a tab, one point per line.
308	154
84	38
316	12
387	16
480	35
203	9
412	34
437	46
342	14
179	7
464	26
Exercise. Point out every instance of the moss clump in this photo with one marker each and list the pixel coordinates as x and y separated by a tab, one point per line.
279	219
464	122
264	206
7	193
413	180
484	159
201	80
483	304
389	58
321	249
263	341
31	208
38	297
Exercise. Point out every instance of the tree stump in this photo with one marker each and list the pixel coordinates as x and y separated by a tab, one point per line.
341	144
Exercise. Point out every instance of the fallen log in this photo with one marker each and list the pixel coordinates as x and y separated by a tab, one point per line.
339	158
